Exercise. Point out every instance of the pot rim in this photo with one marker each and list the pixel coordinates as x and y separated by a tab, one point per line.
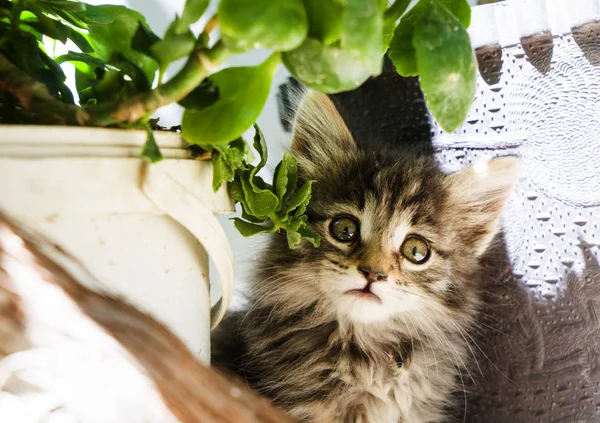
41	141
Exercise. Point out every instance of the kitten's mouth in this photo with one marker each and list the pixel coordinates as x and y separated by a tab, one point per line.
365	294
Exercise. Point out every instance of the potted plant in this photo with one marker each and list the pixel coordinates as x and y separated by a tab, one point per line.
135	223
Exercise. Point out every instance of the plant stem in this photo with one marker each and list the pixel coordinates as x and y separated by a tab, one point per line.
393	13
210	25
34	98
200	63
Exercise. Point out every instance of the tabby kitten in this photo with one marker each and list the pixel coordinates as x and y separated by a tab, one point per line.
371	326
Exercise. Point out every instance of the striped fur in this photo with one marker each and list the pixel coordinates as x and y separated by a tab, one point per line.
326	356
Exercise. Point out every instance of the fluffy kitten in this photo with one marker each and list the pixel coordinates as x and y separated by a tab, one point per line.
372	326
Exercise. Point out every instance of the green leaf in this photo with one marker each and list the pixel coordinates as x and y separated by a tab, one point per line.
55	85
70	18
108	40
362	33
192	12
48	26
80	41
96	15
300	200
396	10
222	171
309	236
285	179
204	95
460	9
295	222
243	92
24	51
259	202
257	198
324	19
388	33
66	95
143	39
262	203
151	152
86	83
66	5
328	69
280	25
390	20
103	82
293	238
249	229
260	145
236	191
446	65
253	219
73	56
133	71
54	67
28	23
227	159
298	229
236	152
173	46
402	52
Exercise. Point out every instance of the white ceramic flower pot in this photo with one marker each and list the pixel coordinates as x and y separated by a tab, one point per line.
144	231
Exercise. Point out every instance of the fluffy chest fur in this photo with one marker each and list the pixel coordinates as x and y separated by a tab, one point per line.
332	373
417	391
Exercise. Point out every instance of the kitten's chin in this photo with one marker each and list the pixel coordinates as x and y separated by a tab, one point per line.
363	309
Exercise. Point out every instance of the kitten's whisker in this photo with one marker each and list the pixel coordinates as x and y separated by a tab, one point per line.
461	332
459	370
448	343
456	365
449	318
462	381
478	325
437	370
412	345
490	361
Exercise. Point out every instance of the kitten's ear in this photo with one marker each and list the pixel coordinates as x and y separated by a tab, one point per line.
478	194
319	130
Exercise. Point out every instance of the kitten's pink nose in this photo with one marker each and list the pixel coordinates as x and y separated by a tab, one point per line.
372	275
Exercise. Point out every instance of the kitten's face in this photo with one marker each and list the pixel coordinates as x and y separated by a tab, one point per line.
398	237
386	249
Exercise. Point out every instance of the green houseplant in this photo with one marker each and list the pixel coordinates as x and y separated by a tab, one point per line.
120	63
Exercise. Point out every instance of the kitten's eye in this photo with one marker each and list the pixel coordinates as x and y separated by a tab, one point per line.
344	228
415	249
